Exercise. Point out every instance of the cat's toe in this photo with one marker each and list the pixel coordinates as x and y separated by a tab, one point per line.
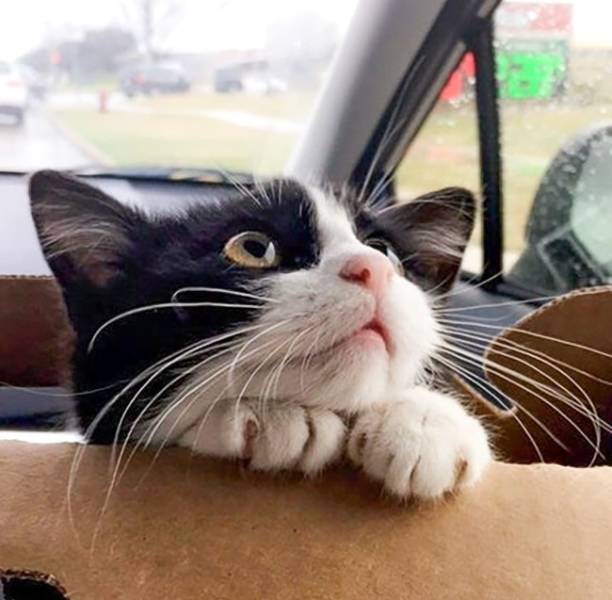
306	440
420	450
325	443
226	431
281	440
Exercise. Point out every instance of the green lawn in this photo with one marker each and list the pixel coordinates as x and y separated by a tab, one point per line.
445	152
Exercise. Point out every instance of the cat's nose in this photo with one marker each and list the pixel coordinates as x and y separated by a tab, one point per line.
372	271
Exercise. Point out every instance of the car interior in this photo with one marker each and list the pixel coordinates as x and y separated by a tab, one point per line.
380	90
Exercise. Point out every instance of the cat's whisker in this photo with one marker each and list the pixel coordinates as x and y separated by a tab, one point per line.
93	425
451	354
145	440
205	345
287	358
483	385
185	290
507	375
461	309
266	387
579	406
533	334
200	387
163	305
472	286
48	393
107	407
228	347
394	125
232	346
252	374
241	356
205	417
239	353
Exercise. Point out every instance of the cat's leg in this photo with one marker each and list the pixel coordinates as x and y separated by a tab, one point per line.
421	445
272	438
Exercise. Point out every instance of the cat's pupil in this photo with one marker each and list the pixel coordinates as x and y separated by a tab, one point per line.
255	248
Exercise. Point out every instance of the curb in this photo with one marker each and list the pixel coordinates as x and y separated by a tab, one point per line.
95	154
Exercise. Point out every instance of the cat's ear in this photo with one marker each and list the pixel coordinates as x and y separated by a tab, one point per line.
432	232
85	234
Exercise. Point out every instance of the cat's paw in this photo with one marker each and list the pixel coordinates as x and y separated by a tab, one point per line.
422	446
271	439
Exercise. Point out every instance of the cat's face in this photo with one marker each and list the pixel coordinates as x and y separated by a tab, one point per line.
282	293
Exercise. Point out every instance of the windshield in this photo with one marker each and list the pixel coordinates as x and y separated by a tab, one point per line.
216	84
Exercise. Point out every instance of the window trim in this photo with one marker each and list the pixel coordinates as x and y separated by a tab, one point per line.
481	44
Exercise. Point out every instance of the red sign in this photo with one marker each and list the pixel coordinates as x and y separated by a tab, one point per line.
521	18
457	83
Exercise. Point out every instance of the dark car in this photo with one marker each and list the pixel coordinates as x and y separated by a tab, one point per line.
149	79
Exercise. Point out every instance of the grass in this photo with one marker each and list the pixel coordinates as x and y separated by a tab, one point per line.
135	139
444	153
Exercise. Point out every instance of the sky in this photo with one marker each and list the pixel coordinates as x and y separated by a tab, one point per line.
200	25
218	24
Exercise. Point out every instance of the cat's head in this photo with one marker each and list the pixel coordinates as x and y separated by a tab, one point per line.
278	291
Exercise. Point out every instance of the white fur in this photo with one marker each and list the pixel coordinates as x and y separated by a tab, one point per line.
422	444
286	437
414	439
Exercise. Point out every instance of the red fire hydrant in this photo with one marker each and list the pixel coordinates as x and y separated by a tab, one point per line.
102	101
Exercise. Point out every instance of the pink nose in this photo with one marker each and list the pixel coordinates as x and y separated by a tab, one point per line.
372	271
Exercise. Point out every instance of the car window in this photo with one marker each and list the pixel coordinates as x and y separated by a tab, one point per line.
164	83
555	87
445	151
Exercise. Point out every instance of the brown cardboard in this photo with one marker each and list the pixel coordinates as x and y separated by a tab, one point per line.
199	529
581	320
191	528
35	336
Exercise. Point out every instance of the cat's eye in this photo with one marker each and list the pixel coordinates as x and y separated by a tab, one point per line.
388	251
252	249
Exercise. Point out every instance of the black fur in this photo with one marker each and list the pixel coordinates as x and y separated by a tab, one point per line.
116	258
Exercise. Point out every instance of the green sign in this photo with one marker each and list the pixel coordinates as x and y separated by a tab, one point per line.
534	70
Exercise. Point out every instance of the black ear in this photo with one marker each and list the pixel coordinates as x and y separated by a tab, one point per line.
84	234
431	232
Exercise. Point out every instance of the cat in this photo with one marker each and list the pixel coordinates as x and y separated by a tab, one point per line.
286	325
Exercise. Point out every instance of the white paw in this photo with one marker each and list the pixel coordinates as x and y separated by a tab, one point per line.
275	438
422	446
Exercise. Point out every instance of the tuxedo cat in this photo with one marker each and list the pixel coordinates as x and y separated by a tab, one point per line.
284	325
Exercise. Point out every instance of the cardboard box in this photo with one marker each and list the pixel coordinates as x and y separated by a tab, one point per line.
184	527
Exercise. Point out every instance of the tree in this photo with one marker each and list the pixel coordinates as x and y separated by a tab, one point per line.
151	22
94	52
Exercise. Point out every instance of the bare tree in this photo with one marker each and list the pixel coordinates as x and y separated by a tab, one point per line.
151	22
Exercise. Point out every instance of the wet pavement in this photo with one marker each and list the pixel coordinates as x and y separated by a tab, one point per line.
37	144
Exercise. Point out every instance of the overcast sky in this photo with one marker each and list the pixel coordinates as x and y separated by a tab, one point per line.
218	24
201	25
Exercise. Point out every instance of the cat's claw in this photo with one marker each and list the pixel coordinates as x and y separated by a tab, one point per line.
421	446
271	439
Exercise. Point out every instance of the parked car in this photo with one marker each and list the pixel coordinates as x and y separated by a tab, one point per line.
252	77
36	83
153	78
13	92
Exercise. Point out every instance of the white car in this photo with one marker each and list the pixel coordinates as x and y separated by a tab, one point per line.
13	92
264	84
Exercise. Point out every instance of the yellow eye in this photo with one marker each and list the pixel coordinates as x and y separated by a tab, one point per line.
388	251
252	249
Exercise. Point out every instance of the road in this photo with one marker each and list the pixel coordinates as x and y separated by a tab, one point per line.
37	144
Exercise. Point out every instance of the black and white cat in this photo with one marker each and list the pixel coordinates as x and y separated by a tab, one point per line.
284	325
